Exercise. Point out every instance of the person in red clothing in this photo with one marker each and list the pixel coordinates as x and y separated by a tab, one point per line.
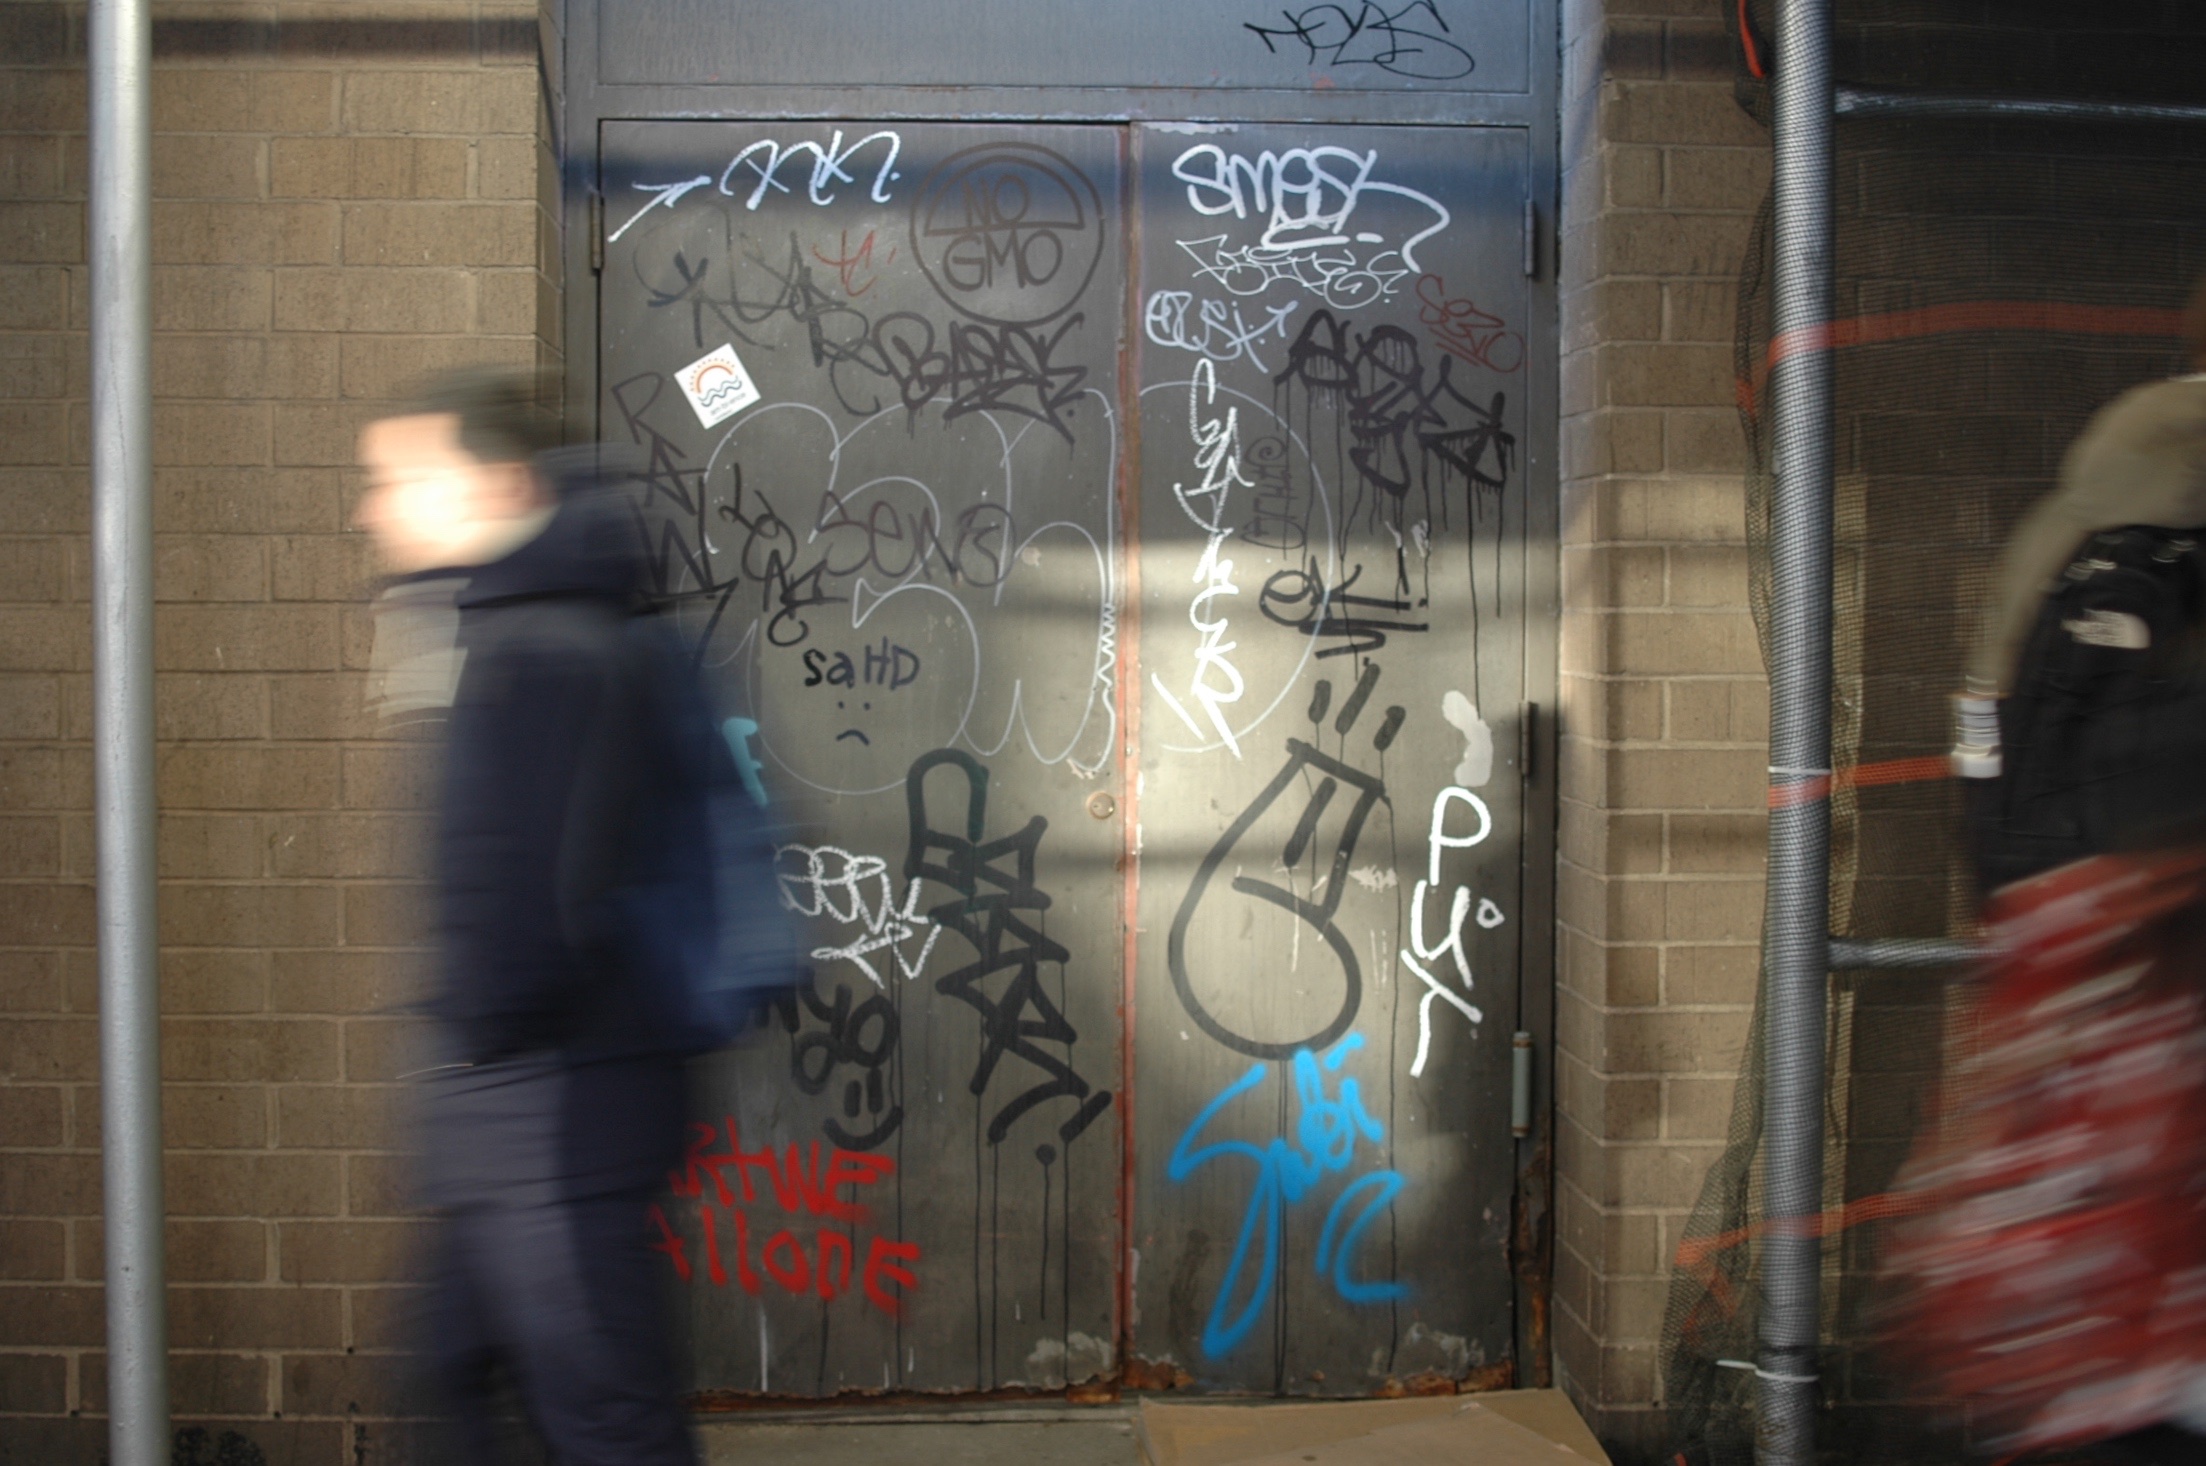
2055	1278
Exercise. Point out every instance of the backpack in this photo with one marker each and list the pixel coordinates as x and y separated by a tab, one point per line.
703	928
2101	741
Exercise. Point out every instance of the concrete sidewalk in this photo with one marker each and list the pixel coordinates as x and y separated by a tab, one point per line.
1023	1435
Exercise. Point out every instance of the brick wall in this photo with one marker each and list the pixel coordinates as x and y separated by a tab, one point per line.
345	198
1665	709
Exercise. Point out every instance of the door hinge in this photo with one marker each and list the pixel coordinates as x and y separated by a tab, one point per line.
1520	1084
1527	740
597	232
1531	240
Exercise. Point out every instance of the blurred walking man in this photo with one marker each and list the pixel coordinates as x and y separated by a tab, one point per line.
551	1108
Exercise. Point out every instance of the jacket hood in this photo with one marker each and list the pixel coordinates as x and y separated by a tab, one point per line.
589	548
2141	460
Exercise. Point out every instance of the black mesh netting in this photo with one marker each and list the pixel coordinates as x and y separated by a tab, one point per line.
1997	282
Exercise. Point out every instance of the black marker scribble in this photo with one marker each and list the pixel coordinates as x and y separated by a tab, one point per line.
1372	35
1308	835
1014	369
863	1035
1301	599
1399	415
1279	516
897	541
793	566
994	880
901	358
1008	233
770	560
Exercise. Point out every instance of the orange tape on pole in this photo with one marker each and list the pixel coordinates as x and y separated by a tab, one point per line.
1970	315
1796	792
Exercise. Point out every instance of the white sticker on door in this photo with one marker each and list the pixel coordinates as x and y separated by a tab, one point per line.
717	386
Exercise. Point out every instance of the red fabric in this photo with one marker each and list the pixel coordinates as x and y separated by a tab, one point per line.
2055	1281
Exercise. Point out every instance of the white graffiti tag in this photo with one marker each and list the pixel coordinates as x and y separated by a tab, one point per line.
1309	195
855	890
1215	329
1216	683
1335	276
765	157
663	196
1450	944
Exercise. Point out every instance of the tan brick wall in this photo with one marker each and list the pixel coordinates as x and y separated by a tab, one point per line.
346	196
1665	708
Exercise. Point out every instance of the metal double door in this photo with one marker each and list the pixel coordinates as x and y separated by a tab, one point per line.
1110	545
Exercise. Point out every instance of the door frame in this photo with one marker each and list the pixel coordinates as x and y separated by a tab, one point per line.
579	103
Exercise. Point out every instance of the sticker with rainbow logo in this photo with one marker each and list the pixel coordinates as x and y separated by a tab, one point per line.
717	385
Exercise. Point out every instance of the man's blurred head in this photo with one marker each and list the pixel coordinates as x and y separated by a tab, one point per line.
449	478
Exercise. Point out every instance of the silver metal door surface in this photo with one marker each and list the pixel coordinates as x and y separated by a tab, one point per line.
872	373
1332	657
1113	544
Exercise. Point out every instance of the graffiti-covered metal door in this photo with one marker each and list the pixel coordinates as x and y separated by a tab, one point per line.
1332	657
1129	621
873	376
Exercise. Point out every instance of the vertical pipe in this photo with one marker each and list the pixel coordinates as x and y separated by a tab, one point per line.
120	59
1796	931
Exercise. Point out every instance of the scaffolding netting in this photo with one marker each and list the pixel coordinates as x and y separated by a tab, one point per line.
1998	280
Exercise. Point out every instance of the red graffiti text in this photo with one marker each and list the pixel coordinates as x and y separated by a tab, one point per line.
1461	329
799	1181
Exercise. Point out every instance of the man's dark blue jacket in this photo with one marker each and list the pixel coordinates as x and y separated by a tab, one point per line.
550	1081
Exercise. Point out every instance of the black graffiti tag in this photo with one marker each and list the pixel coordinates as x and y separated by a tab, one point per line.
1280	515
835	330
1008	233
793	570
1372	35
900	358
1301	599
900	541
1398	413
994	880
770	560
1308	835
863	1035
663	477
1015	369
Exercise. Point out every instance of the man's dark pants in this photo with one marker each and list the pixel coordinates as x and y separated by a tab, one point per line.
564	1299
539	1176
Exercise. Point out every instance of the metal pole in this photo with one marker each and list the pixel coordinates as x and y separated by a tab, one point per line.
1796	969
120	62
1902	954
1870	102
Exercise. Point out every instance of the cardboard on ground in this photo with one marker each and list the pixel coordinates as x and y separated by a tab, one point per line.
1505	1428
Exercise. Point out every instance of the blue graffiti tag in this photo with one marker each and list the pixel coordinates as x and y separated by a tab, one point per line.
1326	1129
738	732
